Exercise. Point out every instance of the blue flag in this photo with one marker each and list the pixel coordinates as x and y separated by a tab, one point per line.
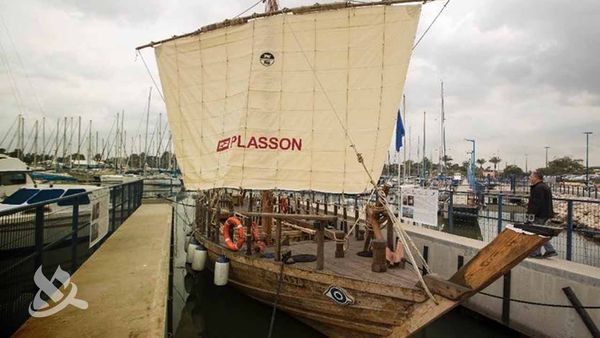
399	132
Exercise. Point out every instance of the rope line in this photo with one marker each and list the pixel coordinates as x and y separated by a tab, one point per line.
150	74
539	303
247	9
431	24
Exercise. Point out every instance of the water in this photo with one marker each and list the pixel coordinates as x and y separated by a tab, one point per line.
201	309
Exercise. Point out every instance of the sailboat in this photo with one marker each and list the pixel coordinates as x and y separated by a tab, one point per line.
304	99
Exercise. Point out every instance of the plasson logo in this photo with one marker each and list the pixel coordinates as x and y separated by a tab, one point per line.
60	298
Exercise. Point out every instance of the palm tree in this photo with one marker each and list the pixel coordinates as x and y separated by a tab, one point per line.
495	160
481	162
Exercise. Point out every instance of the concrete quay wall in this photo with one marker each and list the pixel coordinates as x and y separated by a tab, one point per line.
535	280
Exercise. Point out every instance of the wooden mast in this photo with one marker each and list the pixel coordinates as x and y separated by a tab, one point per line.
267	195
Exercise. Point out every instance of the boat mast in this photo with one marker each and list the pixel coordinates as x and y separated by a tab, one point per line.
443	161
117	146
423	169
89	154
35	144
79	136
122	142
146	138
43	138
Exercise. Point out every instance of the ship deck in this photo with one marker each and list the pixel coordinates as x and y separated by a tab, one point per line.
352	265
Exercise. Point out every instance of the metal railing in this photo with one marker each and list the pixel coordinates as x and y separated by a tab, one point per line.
580	242
49	234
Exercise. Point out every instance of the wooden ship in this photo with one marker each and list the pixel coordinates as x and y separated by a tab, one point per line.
305	99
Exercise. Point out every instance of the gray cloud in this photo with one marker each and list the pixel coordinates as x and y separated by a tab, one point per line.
518	75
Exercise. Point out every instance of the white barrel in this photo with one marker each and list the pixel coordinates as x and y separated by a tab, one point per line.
190	252
221	271
199	259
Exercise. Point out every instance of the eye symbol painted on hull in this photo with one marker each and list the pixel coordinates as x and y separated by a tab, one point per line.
339	295
267	59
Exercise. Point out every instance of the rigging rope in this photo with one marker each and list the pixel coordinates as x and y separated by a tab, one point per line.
402	235
431	24
247	9
150	74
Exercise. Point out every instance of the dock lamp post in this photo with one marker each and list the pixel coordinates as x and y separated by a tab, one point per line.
587	153
473	158
546	147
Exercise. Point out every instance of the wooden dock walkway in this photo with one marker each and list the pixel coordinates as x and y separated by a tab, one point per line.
125	284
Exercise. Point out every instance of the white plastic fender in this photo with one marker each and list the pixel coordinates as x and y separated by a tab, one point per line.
199	258
190	252
221	271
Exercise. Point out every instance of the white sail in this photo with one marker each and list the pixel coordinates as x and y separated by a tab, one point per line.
275	103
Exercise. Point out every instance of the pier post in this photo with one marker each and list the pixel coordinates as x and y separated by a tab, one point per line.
39	234
335	209
307	209
74	229
499	213
506	298
122	204
320	237
113	196
317	209
451	212
569	229
297	205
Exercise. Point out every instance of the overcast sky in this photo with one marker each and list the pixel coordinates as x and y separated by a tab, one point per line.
518	75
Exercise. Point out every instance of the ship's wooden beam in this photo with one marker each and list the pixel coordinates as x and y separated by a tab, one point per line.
289	216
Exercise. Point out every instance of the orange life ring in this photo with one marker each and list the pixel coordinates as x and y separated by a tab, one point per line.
241	233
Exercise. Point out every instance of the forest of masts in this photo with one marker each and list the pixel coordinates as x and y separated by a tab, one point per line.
69	144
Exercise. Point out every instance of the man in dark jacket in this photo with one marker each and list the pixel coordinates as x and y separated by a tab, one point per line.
540	205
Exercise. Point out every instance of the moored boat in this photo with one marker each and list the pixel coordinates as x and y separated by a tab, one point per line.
305	99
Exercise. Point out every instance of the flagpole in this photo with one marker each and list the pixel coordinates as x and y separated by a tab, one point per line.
406	143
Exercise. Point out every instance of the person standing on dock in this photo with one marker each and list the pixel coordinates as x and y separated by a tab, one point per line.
540	205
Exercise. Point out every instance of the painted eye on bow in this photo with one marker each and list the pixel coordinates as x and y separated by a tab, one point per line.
339	295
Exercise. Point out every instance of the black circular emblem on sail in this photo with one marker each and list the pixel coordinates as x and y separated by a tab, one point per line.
267	59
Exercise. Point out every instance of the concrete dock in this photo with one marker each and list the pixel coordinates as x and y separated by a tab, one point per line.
125	283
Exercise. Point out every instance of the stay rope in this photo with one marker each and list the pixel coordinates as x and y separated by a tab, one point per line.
402	235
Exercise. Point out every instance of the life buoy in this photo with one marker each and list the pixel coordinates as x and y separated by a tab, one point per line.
241	233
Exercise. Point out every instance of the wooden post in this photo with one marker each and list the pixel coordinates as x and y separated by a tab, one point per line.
325	206
317	209
250	202
345	217
278	241
320	237
357	234
339	245
390	236
297	205
379	264
248	224
335	209
267	206
307	209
